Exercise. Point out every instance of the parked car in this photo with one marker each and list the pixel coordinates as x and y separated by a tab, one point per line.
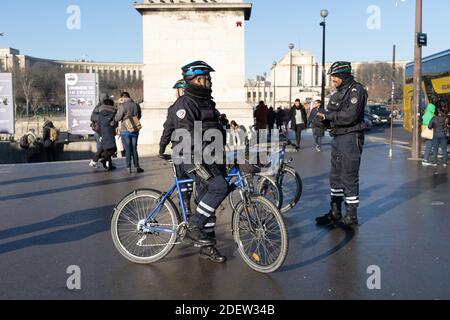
368	123
378	114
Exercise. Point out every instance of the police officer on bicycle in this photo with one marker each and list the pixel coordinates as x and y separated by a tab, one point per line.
345	118
197	105
169	128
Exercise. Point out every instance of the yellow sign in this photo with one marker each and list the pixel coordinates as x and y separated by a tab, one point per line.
408	107
442	85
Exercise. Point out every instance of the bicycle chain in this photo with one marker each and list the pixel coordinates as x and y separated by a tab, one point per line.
156	244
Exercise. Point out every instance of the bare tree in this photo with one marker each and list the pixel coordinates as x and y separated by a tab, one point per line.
24	86
377	78
113	86
48	84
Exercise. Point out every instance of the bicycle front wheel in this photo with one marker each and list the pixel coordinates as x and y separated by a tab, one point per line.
129	219
260	234
291	186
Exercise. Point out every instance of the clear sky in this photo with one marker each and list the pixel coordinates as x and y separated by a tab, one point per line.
111	29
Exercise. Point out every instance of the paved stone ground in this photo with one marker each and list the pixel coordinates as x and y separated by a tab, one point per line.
56	215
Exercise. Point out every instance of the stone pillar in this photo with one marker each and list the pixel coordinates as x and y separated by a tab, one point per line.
179	32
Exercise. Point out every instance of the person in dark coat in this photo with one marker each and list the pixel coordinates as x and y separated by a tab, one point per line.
261	115
439	125
280	118
271	118
107	127
299	120
316	124
224	122
48	144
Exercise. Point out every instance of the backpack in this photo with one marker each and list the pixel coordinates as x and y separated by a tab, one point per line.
23	142
54	134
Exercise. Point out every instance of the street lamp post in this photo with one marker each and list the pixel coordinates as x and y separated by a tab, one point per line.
323	14
265	92
291	47
416	141
391	138
258	79
274	65
6	63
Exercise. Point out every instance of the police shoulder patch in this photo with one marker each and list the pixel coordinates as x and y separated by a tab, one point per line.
181	114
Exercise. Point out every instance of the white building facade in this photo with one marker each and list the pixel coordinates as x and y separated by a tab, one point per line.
306	80
12	58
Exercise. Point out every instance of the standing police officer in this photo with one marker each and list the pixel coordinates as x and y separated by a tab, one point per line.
197	105
345	117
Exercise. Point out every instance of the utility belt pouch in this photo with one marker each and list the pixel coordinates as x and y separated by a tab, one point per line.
201	171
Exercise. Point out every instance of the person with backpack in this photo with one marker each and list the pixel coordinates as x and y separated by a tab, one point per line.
50	138
30	143
107	131
430	112
129	114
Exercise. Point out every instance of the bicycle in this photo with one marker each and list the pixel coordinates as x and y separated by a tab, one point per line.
146	225
284	176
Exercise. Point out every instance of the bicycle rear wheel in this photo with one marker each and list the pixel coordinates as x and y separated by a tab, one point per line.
291	186
128	219
261	235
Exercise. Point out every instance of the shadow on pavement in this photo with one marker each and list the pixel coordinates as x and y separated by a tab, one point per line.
92	221
48	177
72	188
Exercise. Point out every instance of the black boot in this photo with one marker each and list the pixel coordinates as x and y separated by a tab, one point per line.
211	253
352	217
139	170
197	236
331	217
103	162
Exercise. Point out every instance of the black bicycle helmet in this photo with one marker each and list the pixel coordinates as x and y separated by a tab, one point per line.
340	67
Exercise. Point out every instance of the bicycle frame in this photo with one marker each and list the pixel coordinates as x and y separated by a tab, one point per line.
177	186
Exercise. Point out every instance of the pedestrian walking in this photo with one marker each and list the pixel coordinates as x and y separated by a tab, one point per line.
280	119
129	114
299	120
439	125
318	128
261	115
96	126
427	134
50	136
107	131
271	119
